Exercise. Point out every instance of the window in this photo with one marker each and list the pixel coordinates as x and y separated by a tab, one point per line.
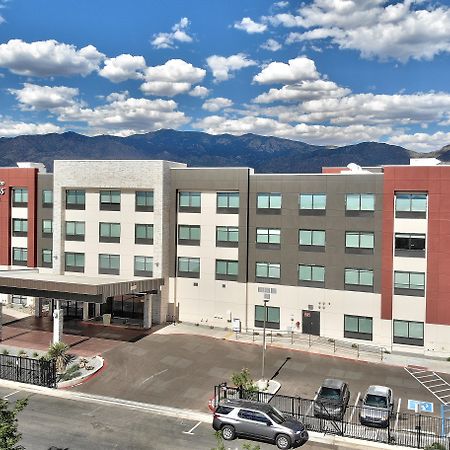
189	201
359	203
75	231
359	279
268	270
20	227
20	256
311	238
406	332
75	199
268	201
409	283
268	236
144	201
47	258
272	317
143	233
109	264
143	266
410	245
74	262
356	327
227	236
47	227
189	234
311	275
47	198
20	197
189	267
109	232
359	242
226	270
312	202
227	202
110	200
410	205
19	300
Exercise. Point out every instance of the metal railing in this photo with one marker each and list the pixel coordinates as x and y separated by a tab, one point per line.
39	372
330	345
403	428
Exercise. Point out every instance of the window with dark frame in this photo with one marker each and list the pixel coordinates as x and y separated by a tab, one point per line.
189	234
189	201
143	233
108	264
413	205
410	245
358	327
409	283
47	227
47	198
268	201
74	262
358	279
408	332
143	266
75	231
20	256
272	317
357	241
110	200
188	267
360	203
268	236
227	269
144	201
20	227
227	236
19	197
309	202
311	238
75	199
310	274
47	258
268	270
227	202
109	232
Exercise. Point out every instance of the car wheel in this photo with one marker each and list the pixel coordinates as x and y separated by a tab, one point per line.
283	441
228	432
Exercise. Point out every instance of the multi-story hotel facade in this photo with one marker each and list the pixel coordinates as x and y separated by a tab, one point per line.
362	255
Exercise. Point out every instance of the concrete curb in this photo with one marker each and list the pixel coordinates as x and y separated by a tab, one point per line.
179	413
99	361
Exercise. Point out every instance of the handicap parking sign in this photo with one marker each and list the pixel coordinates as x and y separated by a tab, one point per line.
423	406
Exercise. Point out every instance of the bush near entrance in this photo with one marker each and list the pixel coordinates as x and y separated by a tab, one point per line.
9	434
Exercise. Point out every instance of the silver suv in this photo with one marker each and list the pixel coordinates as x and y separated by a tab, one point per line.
377	406
258	421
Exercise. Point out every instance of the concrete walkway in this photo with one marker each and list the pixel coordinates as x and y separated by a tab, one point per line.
313	344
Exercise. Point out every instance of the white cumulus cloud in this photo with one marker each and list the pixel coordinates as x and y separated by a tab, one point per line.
11	128
216	104
271	45
421	142
178	34
123	67
222	67
48	58
298	69
34	97
249	26
199	91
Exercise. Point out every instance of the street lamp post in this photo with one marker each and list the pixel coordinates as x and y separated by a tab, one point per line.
264	341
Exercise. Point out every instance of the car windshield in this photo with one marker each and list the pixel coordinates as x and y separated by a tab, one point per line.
275	415
376	401
330	393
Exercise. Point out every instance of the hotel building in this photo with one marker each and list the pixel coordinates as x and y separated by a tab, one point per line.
350	253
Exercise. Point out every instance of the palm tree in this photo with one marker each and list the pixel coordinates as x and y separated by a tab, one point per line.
59	352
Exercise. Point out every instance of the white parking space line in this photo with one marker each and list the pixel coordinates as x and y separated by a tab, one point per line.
9	395
354	407
192	429
397	414
154	375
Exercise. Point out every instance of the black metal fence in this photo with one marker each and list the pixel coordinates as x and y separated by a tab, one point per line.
399	428
28	370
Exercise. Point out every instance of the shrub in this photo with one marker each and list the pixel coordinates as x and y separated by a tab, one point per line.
59	352
71	372
435	446
5	352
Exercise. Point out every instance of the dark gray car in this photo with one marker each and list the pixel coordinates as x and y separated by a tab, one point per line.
332	399
258	421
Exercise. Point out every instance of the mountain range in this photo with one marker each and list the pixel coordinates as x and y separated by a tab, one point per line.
264	154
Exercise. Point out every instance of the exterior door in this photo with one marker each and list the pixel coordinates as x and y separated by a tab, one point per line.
311	322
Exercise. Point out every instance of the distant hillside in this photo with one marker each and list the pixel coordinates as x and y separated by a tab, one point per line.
264	154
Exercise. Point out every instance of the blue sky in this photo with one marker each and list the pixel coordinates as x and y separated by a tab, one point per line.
329	72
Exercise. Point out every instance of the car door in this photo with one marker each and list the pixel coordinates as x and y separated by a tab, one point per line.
264	431
248	426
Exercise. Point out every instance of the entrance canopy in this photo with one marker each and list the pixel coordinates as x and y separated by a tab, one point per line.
32	283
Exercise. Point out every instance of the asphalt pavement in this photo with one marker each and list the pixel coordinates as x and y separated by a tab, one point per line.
72	425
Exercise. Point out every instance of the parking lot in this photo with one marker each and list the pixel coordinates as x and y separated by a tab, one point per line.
181	371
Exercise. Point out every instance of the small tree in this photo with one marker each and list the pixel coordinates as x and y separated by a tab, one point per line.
59	352
9	434
244	380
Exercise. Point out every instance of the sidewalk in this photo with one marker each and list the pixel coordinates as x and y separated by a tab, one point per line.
313	344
